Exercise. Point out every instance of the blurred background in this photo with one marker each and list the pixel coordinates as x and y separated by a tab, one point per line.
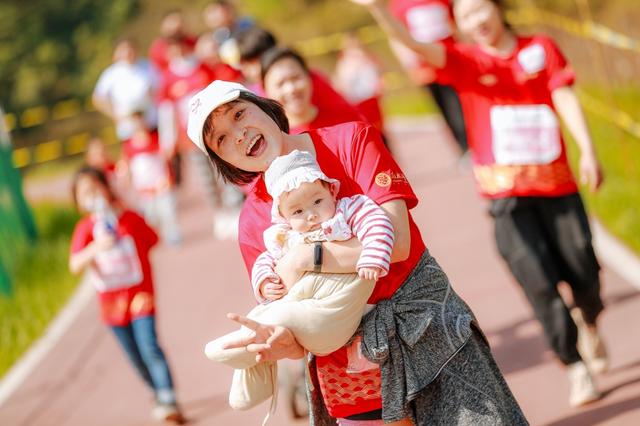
52	53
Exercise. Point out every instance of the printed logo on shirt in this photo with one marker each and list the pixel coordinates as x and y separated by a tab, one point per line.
488	80
383	180
386	179
532	59
195	105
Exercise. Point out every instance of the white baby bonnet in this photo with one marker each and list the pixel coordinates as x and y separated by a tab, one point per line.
287	173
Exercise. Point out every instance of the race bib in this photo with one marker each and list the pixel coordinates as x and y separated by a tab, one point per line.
532	59
525	134
118	267
429	23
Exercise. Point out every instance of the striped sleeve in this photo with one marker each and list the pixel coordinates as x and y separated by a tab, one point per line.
372	226
263	268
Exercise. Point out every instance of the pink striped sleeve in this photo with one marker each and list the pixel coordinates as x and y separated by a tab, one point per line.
372	226
262	269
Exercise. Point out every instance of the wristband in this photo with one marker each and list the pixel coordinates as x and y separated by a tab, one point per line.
317	257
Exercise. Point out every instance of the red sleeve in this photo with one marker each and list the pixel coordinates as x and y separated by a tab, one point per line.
82	235
461	69
251	225
559	71
141	230
325	97
375	170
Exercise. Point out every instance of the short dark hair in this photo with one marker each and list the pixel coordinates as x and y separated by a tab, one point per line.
276	54
253	42
95	174
229	172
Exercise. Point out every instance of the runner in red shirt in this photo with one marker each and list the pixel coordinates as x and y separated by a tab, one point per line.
171	27
113	244
242	134
430	21
513	89
308	99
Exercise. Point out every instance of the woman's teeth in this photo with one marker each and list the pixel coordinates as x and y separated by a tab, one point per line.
252	143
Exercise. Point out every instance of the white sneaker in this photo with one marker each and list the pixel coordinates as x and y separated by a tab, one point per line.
582	389
590	344
167	413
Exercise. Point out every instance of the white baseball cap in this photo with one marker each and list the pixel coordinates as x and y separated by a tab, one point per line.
287	173
204	102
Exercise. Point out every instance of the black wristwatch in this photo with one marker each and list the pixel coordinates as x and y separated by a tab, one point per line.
317	257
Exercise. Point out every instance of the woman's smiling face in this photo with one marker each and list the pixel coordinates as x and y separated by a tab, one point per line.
288	83
245	136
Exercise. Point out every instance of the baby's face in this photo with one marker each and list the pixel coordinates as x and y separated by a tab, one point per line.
307	207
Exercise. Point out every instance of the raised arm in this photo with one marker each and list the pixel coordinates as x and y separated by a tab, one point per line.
568	106
433	53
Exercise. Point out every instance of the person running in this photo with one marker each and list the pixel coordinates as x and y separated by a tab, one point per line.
435	364
431	21
113	244
126	86
513	89
358	77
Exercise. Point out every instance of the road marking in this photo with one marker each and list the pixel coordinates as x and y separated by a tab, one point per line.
617	256
39	350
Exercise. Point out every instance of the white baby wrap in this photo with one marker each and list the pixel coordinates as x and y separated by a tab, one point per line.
322	310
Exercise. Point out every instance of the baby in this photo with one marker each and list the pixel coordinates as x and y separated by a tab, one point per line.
322	310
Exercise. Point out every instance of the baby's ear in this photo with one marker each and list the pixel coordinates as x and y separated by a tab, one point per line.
334	190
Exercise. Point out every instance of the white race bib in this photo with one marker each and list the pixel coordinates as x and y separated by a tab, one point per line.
525	134
118	267
429	23
532	59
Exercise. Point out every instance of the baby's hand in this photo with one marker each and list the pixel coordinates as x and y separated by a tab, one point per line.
369	273
272	289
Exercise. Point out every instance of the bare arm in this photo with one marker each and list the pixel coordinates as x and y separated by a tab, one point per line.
80	260
342	257
568	106
103	105
433	53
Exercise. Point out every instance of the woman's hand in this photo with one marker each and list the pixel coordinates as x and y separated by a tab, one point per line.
590	171
293	264
268	342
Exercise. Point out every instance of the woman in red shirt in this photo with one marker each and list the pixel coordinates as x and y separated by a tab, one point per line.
513	89
436	338
309	101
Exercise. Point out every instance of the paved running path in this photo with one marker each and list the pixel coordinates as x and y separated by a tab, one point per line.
85	380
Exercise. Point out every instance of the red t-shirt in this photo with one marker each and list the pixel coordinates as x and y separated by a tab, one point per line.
219	72
148	167
354	154
427	21
121	275
514	133
333	108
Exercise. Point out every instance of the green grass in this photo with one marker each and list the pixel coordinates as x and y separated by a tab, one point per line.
42	283
408	101
617	204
